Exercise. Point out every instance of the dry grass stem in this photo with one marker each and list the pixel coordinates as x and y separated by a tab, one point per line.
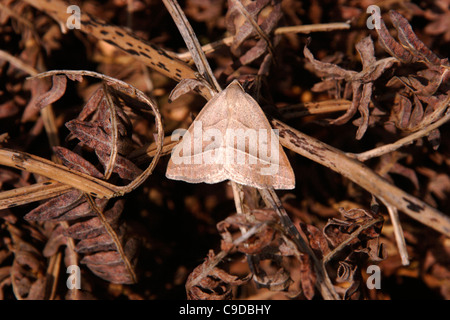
387	148
357	172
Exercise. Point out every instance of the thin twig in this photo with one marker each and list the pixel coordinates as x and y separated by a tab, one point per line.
398	233
36	192
16	62
60	173
211	47
324	283
376	152
207	48
192	42
352	236
318	27
255	25
362	175
53	270
312	108
222	254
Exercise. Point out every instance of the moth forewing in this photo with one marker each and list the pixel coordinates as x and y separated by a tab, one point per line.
241	144
180	149
231	139
269	152
214	152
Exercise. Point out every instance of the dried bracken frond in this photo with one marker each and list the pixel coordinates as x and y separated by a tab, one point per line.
347	245
361	82
108	250
211	283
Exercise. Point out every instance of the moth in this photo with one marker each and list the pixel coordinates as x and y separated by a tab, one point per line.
231	139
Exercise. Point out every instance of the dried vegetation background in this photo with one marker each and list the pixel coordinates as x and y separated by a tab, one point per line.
354	89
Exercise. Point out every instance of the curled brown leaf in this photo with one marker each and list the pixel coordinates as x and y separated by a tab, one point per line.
56	92
214	284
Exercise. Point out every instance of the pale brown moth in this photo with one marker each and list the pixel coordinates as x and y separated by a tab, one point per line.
231	139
